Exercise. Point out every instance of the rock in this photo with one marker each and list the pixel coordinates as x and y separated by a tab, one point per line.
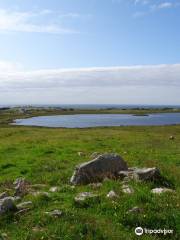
127	189
3	236
7	205
22	211
84	199
105	165
95	185
161	190
81	154
171	138
3	195
144	174
41	194
38	229
148	174
112	195
54	189
16	199
55	213
135	210
94	155
21	187
24	205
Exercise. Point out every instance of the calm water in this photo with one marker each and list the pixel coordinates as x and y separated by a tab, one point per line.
97	120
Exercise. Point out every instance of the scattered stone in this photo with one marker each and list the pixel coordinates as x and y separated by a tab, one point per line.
38	229
3	195
161	190
7	205
171	137
112	195
95	185
54	189
3	236
135	210
24	205
127	189
55	213
41	194
84	199
16	199
106	179
22	211
21	187
105	165
81	154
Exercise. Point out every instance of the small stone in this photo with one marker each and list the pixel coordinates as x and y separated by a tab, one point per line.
41	194
16	199
135	210
3	236
81	154
21	187
22	211
7	205
3	195
112	195
127	189
86	198
161	190
54	189
24	205
55	213
106	179
95	185
38	229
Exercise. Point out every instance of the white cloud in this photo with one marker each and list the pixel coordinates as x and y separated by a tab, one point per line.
155	75
15	21
155	84
151	6
163	5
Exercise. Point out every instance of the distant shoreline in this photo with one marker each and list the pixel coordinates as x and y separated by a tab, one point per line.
8	115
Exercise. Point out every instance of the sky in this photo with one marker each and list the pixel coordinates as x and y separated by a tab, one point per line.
90	52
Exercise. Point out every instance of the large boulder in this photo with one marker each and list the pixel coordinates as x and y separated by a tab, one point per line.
105	165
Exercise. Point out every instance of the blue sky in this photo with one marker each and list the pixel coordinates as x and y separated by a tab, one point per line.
90	51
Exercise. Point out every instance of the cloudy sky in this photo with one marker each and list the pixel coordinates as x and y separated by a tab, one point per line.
89	51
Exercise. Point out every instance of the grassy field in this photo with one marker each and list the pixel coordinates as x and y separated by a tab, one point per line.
48	156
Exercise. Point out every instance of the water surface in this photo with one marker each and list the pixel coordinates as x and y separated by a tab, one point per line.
100	120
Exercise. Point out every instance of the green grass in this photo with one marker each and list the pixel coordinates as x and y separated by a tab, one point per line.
48	156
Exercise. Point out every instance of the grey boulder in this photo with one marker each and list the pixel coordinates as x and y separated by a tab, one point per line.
105	165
